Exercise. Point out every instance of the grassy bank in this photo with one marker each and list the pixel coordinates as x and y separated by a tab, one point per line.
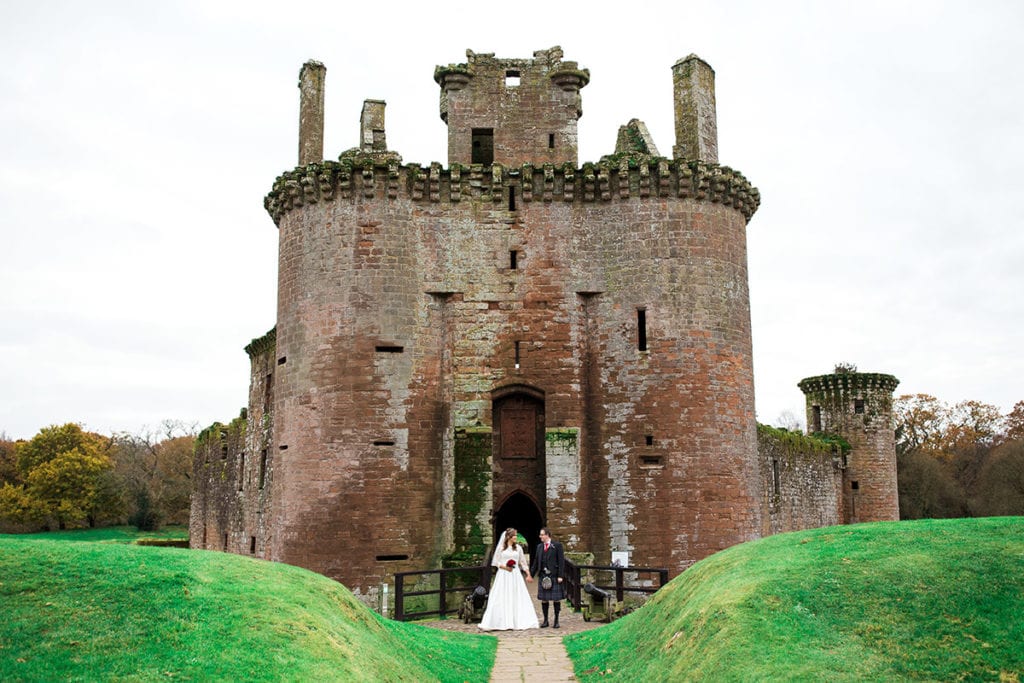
934	600
101	609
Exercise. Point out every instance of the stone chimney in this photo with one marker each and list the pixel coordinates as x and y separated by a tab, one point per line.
311	113
696	122
371	127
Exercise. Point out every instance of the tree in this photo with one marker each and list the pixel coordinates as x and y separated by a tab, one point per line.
156	468
8	462
1000	489
64	474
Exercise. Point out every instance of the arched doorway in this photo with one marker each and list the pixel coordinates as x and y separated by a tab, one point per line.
520	511
520	479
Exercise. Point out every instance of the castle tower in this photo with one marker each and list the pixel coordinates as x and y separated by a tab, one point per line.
512	111
858	407
696	119
513	340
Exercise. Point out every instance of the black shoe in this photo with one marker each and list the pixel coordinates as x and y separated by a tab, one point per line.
545	624
556	624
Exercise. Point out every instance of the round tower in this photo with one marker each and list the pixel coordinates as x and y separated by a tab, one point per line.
858	407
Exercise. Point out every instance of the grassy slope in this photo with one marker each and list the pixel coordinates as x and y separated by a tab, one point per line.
935	600
102	610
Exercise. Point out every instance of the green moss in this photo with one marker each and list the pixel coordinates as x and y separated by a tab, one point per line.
472	455
553	436
819	442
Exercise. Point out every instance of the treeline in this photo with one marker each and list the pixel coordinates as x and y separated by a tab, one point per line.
65	477
961	460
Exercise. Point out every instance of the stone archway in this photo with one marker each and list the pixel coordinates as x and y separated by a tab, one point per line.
522	512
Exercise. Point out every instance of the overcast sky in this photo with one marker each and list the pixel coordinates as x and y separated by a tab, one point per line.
138	139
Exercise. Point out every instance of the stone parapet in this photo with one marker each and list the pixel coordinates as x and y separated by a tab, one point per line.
614	178
838	383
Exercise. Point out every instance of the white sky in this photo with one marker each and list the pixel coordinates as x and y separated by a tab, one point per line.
138	139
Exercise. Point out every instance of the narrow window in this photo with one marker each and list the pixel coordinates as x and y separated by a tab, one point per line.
551	140
650	461
649	438
241	470
268	393
225	542
282	360
263	468
815	419
252	545
776	481
855	485
391	558
282	448
641	329
384	442
483	146
858	406
390	349
204	537
517	355
513	259
511	199
512	78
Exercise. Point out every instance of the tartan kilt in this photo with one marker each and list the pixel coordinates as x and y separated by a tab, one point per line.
555	593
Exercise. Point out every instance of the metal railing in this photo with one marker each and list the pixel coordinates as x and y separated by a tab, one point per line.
574	585
483	578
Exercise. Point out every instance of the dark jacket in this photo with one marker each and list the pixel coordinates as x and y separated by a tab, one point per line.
553	560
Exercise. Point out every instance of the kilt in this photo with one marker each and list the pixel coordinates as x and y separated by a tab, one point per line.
553	594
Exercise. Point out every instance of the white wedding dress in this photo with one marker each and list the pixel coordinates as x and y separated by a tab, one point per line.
509	605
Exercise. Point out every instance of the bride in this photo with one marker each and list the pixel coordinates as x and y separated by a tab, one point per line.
509	605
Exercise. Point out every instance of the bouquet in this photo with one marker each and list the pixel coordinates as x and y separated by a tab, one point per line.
510	564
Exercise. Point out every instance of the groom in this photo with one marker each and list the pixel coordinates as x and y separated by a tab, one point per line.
548	562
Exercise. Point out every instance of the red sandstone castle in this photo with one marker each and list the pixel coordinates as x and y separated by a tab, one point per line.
516	339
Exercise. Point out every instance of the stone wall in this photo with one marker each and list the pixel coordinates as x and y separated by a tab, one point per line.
802	479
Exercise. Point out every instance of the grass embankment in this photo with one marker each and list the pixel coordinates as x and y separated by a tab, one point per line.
113	611
933	600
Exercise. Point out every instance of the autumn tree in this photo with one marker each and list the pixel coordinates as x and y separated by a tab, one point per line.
156	468
64	473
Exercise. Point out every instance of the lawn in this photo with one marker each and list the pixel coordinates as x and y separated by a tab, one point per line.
927	600
103	609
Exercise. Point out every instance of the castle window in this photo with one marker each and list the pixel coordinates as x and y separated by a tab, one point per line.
641	329
551	140
252	545
858	406
651	461
483	146
855	485
268	393
263	467
390	349
776	480
815	419
282	360
511	199
225	542
649	439
384	442
241	470
513	259
391	558
512	78
517	353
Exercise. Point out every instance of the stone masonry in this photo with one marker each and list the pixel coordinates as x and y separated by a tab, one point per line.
515	339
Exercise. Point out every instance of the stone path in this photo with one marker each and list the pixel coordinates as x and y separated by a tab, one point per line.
532	655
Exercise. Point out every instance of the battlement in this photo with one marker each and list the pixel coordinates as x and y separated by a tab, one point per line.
847	382
614	178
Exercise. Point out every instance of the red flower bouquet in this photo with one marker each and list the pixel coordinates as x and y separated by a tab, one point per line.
510	564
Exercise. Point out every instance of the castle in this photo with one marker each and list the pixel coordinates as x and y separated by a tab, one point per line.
516	339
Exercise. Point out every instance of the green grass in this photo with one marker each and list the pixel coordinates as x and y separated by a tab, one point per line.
102	609
110	534
927	600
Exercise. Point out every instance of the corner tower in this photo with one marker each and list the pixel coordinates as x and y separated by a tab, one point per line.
511	111
858	407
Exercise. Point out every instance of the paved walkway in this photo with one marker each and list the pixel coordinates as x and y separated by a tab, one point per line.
533	655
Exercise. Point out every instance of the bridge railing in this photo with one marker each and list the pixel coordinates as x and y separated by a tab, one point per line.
451	580
616	574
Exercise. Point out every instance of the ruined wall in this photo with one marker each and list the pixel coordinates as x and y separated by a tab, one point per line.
232	468
802	479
